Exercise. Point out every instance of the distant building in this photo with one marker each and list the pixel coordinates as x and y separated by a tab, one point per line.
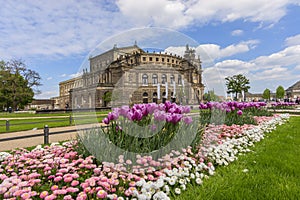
293	91
258	96
133	75
41	104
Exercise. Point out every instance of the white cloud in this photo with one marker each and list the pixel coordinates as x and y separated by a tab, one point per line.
63	75
49	78
209	53
73	27
287	57
155	12
63	28
237	32
180	13
297	67
293	40
256	11
264	71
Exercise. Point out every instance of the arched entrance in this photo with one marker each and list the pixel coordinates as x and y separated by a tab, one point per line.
164	99
145	97
106	98
154	97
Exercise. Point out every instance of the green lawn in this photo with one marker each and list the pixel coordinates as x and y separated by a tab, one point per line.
53	121
273	171
16	115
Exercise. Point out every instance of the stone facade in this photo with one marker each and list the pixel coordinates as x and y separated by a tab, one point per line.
130	75
293	92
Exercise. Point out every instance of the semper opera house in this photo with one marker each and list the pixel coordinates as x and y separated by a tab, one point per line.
130	75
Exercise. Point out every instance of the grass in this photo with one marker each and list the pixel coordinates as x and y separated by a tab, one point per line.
274	171
53	121
17	115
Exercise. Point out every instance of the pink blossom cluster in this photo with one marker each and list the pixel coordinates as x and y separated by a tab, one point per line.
59	172
169	112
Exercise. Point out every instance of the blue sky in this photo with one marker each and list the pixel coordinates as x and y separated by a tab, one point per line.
260	39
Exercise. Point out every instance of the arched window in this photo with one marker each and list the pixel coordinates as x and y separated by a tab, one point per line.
154	79
172	79
179	80
145	79
163	79
145	94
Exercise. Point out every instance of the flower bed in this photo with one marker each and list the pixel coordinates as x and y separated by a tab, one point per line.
232	112
283	105
58	171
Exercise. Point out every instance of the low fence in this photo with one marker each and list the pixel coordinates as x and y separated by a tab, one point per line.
63	119
46	133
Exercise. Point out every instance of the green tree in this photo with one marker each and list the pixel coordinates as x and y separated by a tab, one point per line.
280	92
107	97
266	94
17	84
237	84
211	96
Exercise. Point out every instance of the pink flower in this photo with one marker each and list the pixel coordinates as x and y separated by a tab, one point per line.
81	196
25	196
43	194
68	197
101	194
54	187
50	197
72	189
57	179
2	189
68	179
59	192
74	183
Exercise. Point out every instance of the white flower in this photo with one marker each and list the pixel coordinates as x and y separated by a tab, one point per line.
245	170
173	180
211	172
152	191
182	181
192	175
167	189
199	181
140	183
159	183
4	155
177	190
54	144
183	187
148	195
160	196
142	197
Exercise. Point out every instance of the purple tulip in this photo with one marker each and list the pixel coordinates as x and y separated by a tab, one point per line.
239	112
187	120
160	115
137	115
105	120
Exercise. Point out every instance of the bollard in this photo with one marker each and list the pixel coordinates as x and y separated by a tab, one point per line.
46	134
7	125
70	119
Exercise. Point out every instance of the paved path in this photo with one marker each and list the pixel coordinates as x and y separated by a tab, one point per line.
33	141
